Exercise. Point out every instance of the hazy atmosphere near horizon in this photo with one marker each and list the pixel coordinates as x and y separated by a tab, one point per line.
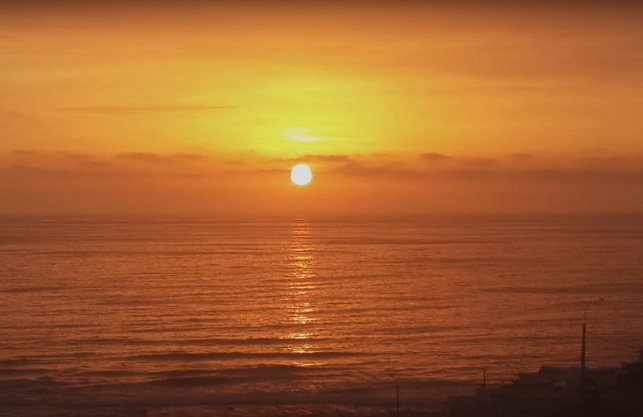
321	209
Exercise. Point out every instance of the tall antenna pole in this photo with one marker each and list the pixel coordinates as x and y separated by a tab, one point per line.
582	358
397	400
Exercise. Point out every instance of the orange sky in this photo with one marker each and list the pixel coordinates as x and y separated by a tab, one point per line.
197	109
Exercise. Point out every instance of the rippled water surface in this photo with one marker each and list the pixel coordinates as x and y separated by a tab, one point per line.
297	316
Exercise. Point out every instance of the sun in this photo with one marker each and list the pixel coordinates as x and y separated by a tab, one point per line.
301	174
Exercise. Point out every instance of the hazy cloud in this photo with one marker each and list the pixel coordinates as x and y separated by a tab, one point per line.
63	164
25	152
553	175
324	158
331	158
189	157
478	162
56	158
144	109
391	171
522	156
151	157
33	180
234	162
11	113
608	159
25	171
141	156
434	156
269	171
75	156
594	151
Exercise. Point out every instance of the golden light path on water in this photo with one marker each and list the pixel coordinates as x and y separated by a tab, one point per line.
302	285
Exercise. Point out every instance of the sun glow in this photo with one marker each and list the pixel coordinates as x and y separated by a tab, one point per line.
301	175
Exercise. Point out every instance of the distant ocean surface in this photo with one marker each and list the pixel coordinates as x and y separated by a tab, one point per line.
273	316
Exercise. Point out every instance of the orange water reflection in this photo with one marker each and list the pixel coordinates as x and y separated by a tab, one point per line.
302	285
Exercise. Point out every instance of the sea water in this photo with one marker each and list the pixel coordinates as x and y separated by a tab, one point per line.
304	316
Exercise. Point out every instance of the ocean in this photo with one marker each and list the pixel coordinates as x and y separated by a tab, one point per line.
304	316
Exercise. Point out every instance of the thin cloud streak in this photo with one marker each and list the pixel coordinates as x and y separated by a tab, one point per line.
434	156
547	175
323	158
132	110
392	172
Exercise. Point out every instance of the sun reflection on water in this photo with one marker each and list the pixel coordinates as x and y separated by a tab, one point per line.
299	336
299	303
